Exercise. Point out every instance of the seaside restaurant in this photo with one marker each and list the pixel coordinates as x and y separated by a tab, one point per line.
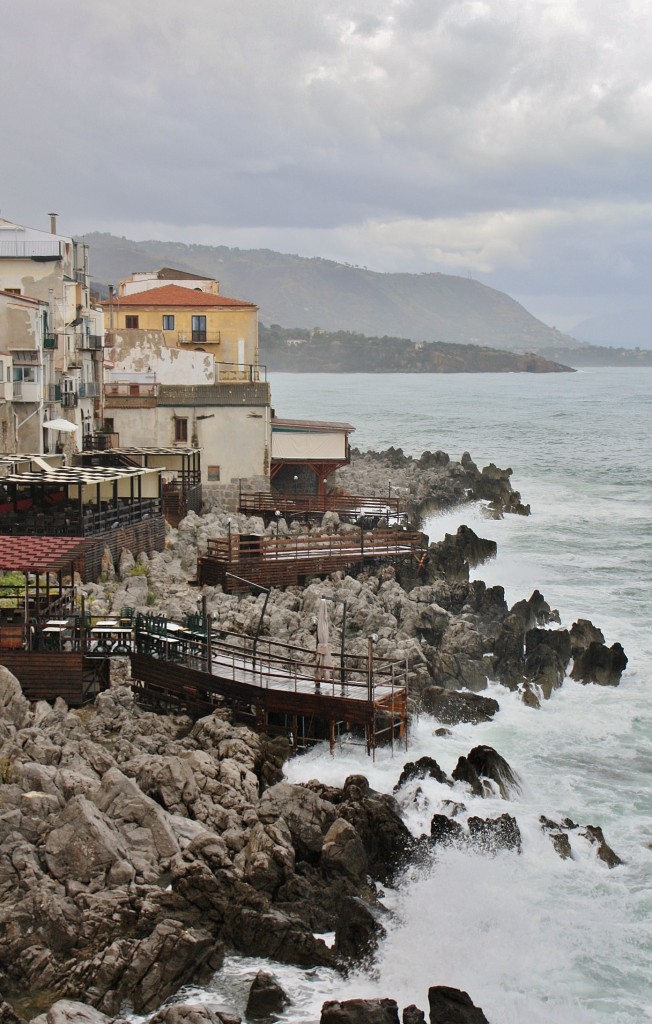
77	501
180	468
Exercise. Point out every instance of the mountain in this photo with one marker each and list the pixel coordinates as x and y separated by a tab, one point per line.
305	293
629	327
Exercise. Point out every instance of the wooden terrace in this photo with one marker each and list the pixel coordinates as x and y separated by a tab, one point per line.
282	561
189	666
271	505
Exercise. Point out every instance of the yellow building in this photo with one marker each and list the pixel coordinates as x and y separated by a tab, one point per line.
193	319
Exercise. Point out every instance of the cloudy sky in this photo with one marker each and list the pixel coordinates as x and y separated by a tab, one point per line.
507	140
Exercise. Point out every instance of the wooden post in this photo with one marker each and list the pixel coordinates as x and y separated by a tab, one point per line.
209	643
370	669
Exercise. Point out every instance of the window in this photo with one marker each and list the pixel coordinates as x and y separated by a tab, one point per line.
26	374
199	328
131	321
168	322
180	429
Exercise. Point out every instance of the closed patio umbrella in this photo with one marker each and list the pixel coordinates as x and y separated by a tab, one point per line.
324	660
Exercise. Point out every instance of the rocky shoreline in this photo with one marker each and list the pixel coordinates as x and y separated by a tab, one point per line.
137	848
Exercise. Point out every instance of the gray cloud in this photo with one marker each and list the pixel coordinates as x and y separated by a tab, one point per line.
511	141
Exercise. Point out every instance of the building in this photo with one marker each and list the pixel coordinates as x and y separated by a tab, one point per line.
191	316
155	395
52	333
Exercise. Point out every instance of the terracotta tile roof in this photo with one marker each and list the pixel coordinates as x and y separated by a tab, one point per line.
171	295
40	554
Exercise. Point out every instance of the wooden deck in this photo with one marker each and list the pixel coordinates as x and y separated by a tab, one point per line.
288	560
190	667
349	507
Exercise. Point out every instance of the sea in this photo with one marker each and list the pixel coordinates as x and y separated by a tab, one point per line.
532	938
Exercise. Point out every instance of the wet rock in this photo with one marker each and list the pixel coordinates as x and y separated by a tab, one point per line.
582	634
530	695
455	706
562	845
413	1015
492	834
595	834
544	670
482	766
358	930
266	997
360	1011
444	831
453	1006
425	768
600	664
509	661
192	1013
377	819
343	852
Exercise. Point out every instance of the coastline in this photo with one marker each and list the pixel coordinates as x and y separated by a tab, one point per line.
245	848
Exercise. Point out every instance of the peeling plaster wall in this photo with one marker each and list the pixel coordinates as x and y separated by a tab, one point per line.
137	351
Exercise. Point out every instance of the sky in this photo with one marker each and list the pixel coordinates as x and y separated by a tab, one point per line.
509	141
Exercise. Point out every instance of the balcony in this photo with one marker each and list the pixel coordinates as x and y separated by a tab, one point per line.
70	399
89	390
27	391
50	342
52	393
199	337
92	342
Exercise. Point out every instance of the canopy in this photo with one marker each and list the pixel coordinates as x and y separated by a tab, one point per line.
61	425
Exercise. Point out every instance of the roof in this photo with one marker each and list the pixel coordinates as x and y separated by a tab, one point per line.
315	426
170	295
25	299
168	274
77	475
40	554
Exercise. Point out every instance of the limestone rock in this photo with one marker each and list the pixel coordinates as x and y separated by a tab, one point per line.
455	706
600	664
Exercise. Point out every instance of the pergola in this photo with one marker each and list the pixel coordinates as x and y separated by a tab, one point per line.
39	559
78	499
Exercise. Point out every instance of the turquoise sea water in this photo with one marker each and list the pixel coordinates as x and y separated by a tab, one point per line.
532	938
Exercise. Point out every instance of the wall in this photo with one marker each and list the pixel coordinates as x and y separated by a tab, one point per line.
233	324
147	351
235	438
308	444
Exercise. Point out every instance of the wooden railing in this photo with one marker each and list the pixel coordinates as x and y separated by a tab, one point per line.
283	560
268	503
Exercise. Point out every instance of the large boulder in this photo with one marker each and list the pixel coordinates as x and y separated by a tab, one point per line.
266	997
454	706
425	768
343	852
358	930
600	664
306	815
492	834
452	1006
485	770
360	1011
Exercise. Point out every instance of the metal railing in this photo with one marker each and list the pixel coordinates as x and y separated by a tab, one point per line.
199	337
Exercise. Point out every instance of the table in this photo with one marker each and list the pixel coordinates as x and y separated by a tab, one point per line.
110	637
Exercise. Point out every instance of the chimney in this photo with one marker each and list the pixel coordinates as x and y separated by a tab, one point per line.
53	223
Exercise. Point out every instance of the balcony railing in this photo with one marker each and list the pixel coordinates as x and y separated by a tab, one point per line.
249	372
92	342
70	399
50	342
199	337
52	393
89	390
